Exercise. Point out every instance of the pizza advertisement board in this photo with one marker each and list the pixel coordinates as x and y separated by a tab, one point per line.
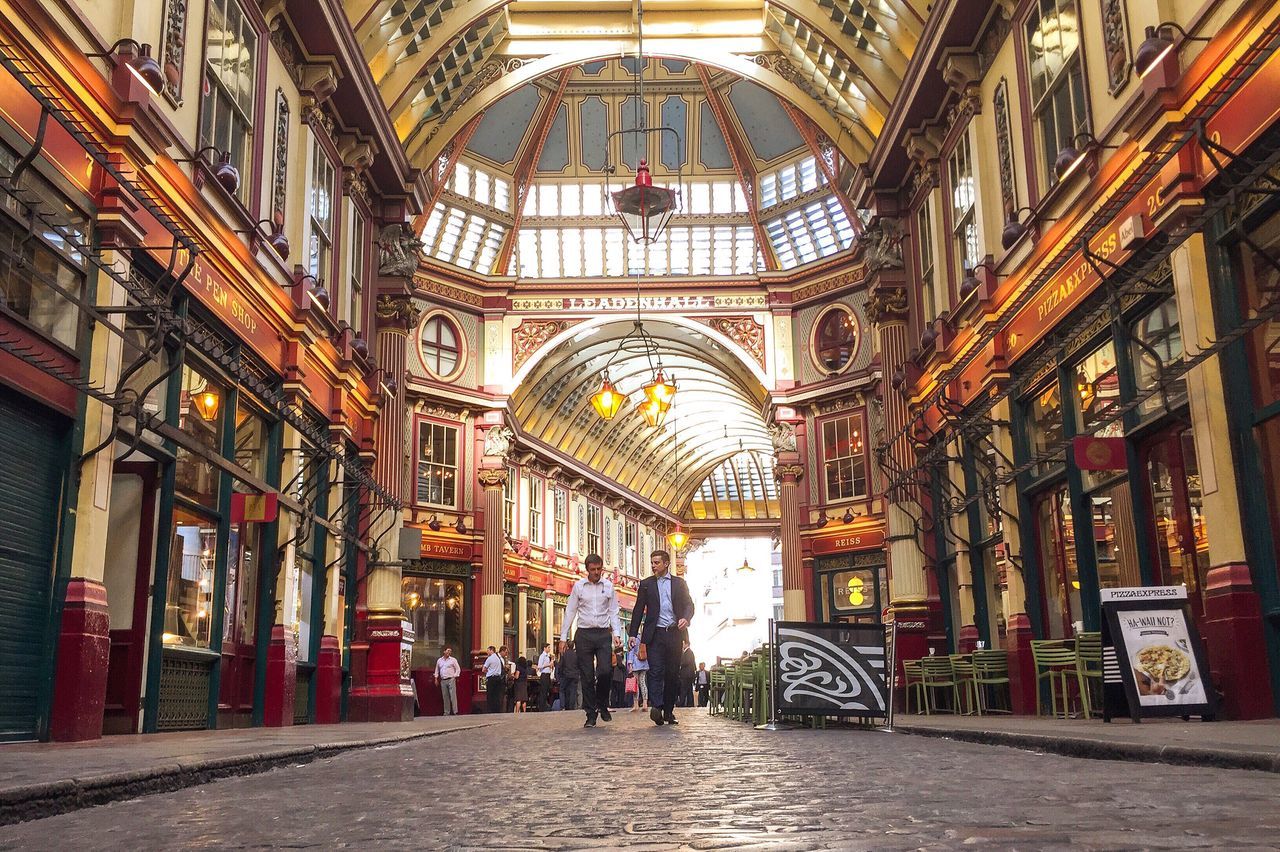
1159	655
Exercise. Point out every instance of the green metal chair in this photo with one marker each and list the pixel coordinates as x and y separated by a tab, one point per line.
962	669
991	672
913	681
938	674
763	711
1089	656
1057	664
746	690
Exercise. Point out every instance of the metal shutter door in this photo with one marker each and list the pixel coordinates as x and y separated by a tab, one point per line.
32	459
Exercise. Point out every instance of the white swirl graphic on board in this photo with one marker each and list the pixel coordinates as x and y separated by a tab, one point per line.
811	668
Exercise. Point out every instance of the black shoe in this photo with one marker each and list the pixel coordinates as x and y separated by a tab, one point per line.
605	715
590	723
655	714
670	719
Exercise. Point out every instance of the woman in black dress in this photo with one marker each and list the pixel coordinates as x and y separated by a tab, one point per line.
522	684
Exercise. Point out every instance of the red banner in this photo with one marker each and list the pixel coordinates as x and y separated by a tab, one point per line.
259	508
1092	453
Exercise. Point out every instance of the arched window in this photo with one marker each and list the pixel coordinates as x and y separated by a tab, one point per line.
440	347
836	339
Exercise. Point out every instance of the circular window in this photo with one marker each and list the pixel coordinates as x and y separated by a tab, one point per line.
441	346
836	339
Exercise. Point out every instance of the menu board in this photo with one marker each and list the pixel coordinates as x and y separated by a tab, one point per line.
829	669
1160	657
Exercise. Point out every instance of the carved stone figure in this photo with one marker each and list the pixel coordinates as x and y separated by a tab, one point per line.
497	441
783	436
398	251
884	245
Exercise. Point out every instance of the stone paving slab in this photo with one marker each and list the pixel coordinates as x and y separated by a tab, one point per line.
41	779
542	782
1232	745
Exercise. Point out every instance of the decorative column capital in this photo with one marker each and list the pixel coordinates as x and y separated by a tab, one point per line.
788	473
887	305
397	313
493	477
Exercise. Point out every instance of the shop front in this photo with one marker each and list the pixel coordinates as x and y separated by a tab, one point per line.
438	602
850	577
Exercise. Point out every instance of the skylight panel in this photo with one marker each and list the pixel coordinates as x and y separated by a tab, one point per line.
548	199
699	198
570	199
527	253
461	180
592	202
550	245
658	256
593	252
483	188
502	194
571	252
615	252
679	251
768	191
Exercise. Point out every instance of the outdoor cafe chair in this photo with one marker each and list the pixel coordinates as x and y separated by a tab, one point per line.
991	673
962	669
1058	664
938	674
913	681
1089	656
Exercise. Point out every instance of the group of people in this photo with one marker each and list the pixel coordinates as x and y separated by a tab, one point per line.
650	666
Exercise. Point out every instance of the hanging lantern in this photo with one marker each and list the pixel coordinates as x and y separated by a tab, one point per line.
661	390
607	400
652	412
206	403
677	538
644	208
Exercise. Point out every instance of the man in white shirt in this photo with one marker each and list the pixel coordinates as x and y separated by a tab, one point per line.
495	681
447	672
594	603
545	667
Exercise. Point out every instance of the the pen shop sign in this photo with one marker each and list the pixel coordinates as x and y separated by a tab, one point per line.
1152	649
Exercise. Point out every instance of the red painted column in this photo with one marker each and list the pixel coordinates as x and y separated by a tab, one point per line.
329	682
282	679
1233	635
788	473
84	646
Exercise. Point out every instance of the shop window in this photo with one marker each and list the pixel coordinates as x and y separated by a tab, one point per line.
200	418
509	621
437	464
41	272
844	459
251	442
320	242
353	313
1096	386
231	62
1059	571
440	346
836	339
1044	428
1260	286
929	306
560	509
533	628
435	608
192	558
594	531
509	501
1057	79
1114	536
1156	346
629	544
557	619
242	584
964	205
534	488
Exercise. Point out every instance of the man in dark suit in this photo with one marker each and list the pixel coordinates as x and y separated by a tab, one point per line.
665	607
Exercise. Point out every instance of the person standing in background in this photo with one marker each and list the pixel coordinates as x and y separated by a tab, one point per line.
640	668
447	672
688	669
702	684
569	677
495	681
545	667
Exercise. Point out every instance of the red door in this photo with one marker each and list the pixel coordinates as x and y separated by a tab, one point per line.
1181	547
131	530
239	653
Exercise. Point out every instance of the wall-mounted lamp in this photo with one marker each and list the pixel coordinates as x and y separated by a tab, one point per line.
847	517
1157	46
227	175
460	526
276	238
822	519
1074	153
142	65
1014	227
970	281
377	377
434	523
360	346
318	293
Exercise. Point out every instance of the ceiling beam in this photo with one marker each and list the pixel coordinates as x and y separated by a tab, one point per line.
743	163
522	175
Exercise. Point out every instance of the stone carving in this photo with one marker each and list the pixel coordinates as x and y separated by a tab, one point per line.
398	249
497	441
783	472
529	337
279	175
173	40
492	477
397	310
744	331
1004	147
355	185
887	304
883	242
783	437
1115	37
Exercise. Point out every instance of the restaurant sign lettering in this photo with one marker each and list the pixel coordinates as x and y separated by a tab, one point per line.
862	540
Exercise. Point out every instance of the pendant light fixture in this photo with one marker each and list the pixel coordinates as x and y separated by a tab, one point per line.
677	538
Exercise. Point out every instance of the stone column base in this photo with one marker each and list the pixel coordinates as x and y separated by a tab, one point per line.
282	679
1233	634
329	682
794	605
80	672
490	621
385	693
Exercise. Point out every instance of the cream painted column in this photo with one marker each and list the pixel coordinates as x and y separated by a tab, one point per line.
84	643
522	621
1232	623
966	606
788	477
548	618
493	480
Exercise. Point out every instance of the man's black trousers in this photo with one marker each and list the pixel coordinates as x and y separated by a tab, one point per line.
496	690
595	645
664	668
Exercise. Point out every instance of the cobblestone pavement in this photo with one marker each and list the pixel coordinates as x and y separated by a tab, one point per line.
542	782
